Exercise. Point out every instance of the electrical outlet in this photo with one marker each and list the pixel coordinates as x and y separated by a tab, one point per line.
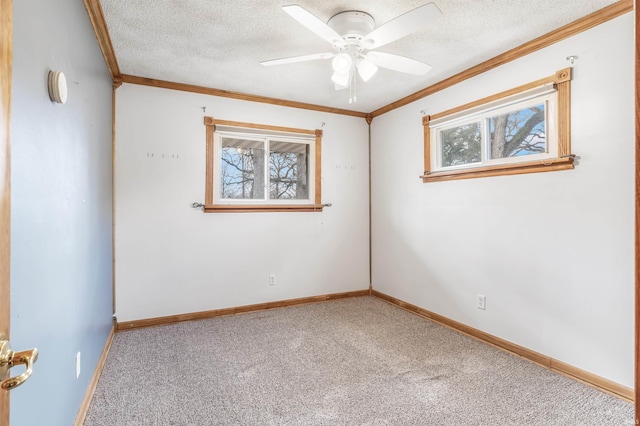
77	365
481	302
272	279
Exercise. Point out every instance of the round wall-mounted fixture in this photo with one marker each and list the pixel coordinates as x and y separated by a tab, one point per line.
57	87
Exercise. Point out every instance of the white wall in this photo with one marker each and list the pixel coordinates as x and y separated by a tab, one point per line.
172	259
552	252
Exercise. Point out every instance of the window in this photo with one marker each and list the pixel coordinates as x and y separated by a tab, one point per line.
523	130
253	167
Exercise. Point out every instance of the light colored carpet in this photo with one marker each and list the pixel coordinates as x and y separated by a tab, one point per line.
356	361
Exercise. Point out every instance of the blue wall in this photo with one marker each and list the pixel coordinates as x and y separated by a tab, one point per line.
61	248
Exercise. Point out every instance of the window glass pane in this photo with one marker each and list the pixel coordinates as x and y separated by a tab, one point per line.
242	169
518	133
461	145
288	170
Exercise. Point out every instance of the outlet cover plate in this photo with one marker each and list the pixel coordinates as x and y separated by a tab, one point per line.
481	301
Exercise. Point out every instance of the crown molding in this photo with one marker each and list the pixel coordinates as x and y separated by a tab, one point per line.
96	16
601	16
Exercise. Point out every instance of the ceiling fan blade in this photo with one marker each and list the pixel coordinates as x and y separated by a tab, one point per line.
314	24
293	59
398	63
402	26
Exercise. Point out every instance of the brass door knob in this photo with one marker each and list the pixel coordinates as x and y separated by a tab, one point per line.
9	359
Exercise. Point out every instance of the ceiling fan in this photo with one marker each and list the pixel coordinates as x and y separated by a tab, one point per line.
354	37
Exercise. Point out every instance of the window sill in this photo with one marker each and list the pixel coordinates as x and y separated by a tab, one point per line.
550	165
257	208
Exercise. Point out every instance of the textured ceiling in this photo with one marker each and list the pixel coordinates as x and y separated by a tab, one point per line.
220	44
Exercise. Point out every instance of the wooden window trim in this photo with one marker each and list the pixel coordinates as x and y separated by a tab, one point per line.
564	161
211	207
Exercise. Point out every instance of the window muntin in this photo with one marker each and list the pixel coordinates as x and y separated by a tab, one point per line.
519	132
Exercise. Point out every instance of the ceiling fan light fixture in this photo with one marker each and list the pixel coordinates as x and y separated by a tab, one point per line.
366	69
342	63
341	79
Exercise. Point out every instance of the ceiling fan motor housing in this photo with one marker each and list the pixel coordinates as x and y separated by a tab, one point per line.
352	25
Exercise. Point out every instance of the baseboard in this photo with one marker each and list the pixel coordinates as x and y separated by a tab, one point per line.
593	380
171	319
560	367
84	407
